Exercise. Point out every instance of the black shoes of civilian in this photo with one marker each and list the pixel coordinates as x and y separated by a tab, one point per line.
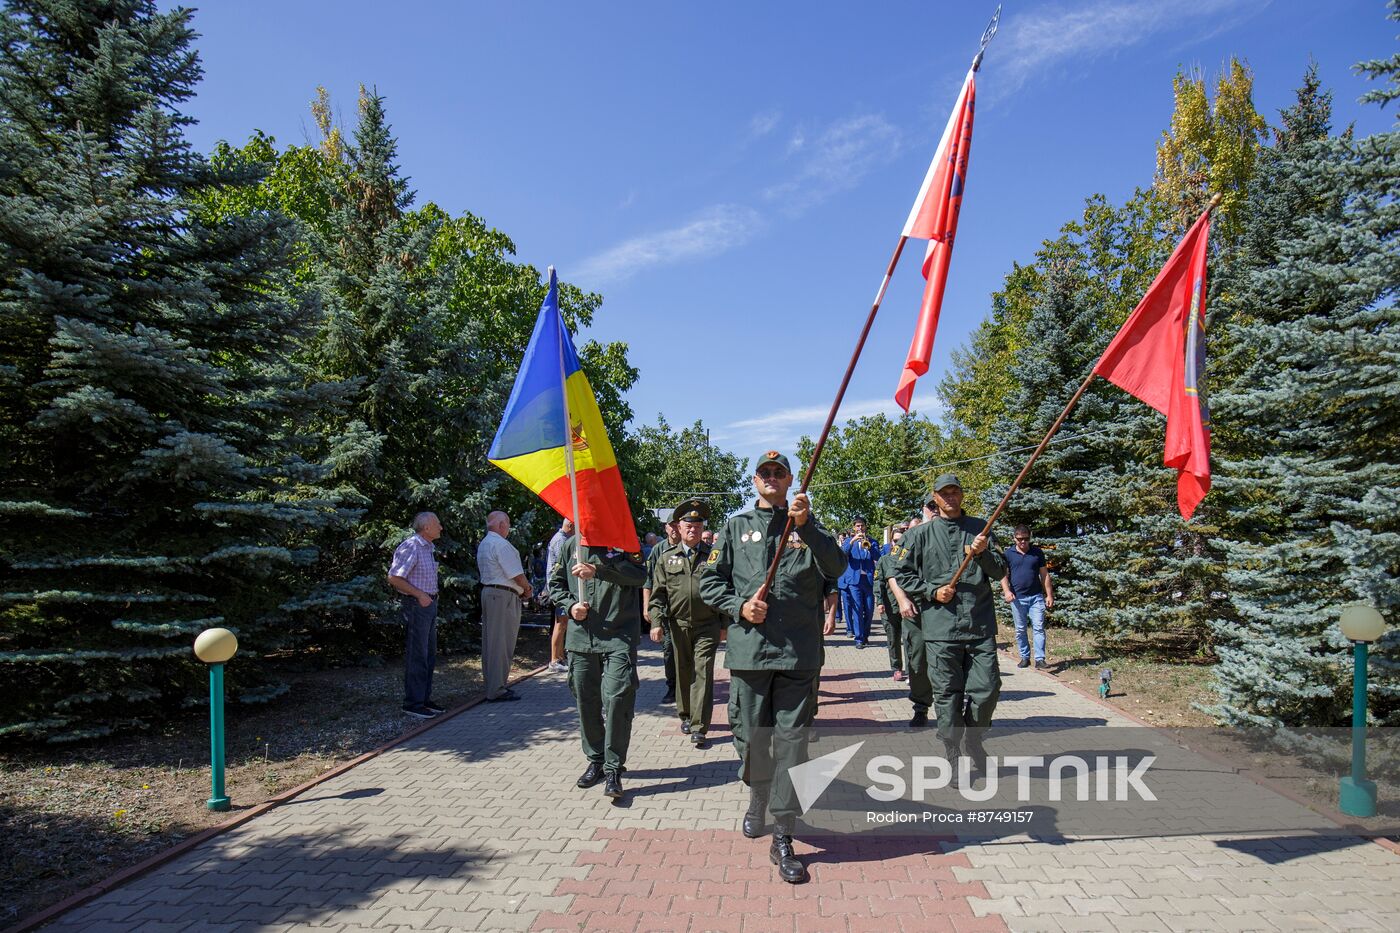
504	697
1024	662
419	711
685	727
433	708
919	719
669	696
698	740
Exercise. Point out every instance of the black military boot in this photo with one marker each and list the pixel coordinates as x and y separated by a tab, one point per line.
754	819
613	787
973	748
591	775
781	853
953	754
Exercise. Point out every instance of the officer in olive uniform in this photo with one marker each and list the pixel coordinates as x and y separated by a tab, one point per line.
668	650
597	588
886	600
676	608
956	669
775	645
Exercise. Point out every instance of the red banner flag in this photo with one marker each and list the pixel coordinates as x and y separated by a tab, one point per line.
1160	357
935	218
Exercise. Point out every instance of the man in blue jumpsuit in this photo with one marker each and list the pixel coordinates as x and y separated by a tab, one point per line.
858	582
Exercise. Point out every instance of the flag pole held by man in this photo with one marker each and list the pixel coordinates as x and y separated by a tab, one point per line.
552	439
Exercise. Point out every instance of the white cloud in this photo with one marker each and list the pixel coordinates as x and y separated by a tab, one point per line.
840	157
784	427
764	123
710	232
837	160
1031	43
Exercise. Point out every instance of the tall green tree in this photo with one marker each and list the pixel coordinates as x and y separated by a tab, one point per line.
668	465
415	298
156	476
1312	462
876	467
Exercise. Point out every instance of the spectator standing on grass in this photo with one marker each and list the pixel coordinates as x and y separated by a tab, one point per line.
503	586
413	574
561	621
1027	588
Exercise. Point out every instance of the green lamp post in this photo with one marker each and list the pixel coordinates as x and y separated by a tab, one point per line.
214	647
1361	624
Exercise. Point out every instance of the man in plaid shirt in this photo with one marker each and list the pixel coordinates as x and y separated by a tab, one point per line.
413	573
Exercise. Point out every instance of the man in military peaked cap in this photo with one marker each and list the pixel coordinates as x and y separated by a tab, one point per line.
955	624
694	627
775	645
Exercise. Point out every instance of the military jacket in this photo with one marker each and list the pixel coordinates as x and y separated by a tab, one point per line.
614	613
790	637
675	589
884	570
928	557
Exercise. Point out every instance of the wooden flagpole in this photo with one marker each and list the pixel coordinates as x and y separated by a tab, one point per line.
807	474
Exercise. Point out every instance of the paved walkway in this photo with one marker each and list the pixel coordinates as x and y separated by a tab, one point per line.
476	825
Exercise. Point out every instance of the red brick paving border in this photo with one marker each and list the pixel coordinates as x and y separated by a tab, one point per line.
698	880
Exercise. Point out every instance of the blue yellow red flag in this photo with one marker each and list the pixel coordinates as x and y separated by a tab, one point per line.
530	443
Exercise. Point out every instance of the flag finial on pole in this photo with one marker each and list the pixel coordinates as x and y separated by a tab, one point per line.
987	35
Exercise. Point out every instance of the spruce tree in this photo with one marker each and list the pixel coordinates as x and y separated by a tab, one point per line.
1315	426
152	426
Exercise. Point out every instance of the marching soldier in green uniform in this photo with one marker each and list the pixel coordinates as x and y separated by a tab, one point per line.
668	650
775	645
694	628
597	588
956	671
885	599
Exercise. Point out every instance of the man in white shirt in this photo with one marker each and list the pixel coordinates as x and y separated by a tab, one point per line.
503	585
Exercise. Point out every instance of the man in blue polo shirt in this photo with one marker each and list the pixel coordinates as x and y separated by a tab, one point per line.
1027	588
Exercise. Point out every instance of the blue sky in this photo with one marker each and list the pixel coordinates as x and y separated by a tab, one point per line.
732	177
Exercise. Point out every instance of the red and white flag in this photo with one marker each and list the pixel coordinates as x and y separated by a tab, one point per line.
1160	357
935	218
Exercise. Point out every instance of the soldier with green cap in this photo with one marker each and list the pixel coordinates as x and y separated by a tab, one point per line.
886	599
956	669
775	645
597	589
676	608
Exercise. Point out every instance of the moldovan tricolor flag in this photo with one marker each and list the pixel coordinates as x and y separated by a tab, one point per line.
935	218
1160	356
529	444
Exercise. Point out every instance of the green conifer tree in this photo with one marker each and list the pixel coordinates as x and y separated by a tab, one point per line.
1311	461
154	478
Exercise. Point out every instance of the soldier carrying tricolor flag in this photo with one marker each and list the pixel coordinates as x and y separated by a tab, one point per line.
553	440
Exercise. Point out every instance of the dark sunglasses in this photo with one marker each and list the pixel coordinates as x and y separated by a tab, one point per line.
772	473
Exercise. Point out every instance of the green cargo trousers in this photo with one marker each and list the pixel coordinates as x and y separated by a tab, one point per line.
605	689
769	713
894	635
695	673
966	683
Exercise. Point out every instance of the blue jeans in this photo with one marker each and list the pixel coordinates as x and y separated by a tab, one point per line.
420	649
1029	609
